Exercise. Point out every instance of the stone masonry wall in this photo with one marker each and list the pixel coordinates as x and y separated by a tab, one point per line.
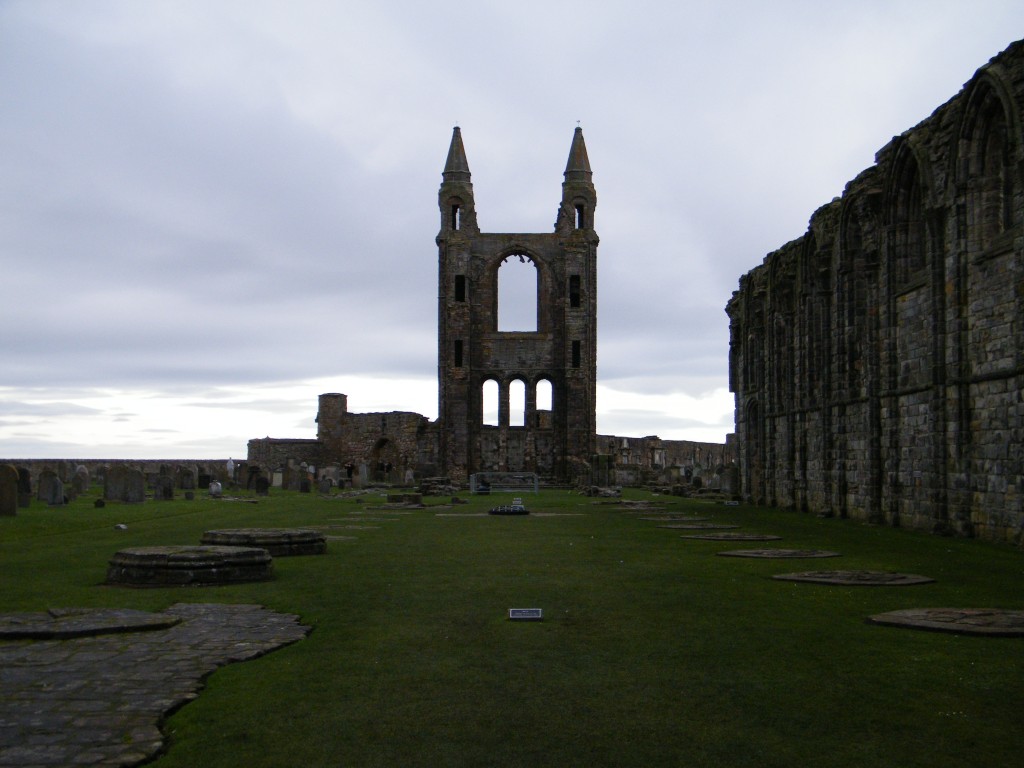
877	360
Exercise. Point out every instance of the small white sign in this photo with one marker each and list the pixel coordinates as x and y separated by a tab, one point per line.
526	614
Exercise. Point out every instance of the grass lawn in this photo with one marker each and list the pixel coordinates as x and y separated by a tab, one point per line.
652	652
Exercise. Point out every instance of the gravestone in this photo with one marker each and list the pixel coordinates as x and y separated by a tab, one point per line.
325	486
262	486
204	481
215	489
8	490
164	489
186	479
278	478
135	487
304	486
80	482
51	489
24	487
115	480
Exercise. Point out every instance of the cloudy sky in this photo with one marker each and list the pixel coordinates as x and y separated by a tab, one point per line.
213	211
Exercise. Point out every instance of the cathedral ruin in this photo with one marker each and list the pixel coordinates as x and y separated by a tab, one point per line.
542	380
876	360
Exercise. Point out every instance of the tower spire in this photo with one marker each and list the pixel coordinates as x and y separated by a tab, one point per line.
579	199
455	198
578	166
456	167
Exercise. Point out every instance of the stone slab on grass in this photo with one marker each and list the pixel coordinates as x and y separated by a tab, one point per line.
99	700
778	553
988	622
64	623
857	578
732	536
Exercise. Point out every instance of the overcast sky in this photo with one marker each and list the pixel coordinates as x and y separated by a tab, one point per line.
211	212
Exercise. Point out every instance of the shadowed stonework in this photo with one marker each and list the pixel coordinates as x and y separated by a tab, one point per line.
876	359
279	542
179	566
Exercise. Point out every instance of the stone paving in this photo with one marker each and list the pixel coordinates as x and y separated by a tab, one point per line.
989	622
857	578
778	553
733	536
99	700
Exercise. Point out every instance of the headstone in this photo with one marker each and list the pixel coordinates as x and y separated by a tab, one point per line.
115	483
410	477
80	482
8	490
51	489
204	481
304	486
24	487
262	486
135	487
278	478
215	489
164	489
325	485
186	479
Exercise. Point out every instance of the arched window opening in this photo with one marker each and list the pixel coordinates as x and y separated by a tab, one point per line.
517	403
910	231
456	217
490	403
544	399
581	219
460	287
997	194
517	294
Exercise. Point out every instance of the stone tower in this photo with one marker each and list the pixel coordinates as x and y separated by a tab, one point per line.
556	438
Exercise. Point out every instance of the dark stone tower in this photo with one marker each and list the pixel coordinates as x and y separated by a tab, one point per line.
561	354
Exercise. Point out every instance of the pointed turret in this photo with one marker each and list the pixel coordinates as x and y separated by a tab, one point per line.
456	168
578	166
458	212
579	198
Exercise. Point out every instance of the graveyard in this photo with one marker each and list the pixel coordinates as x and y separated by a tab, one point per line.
651	648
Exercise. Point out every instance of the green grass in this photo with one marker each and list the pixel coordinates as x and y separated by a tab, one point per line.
652	652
